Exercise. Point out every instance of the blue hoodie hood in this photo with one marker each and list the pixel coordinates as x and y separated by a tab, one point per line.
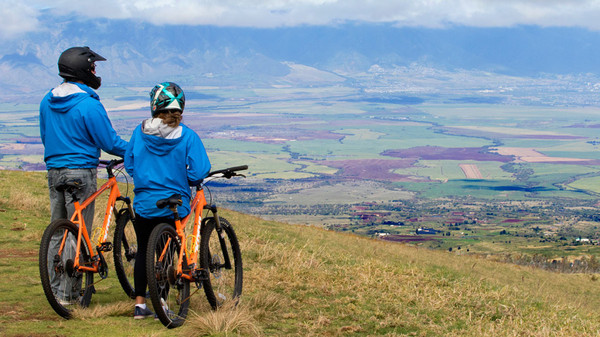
67	95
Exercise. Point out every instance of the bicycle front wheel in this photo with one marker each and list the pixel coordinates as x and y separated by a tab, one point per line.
169	292
221	258
124	251
64	286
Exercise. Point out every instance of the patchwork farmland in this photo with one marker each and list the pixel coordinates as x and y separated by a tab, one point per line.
338	158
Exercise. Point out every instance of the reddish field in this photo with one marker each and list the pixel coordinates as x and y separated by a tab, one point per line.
512	220
375	169
409	238
498	135
448	153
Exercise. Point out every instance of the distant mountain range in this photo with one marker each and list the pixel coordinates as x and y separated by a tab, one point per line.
140	53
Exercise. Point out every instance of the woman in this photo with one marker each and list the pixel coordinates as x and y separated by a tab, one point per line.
164	157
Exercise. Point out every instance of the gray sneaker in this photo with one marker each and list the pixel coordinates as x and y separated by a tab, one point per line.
139	313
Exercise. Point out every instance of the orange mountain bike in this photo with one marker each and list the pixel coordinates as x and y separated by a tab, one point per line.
208	257
69	259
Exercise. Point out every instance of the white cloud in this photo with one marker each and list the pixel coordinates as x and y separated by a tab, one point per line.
275	13
17	18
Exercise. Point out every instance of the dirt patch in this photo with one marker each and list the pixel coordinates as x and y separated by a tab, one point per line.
16	312
19	254
471	171
530	155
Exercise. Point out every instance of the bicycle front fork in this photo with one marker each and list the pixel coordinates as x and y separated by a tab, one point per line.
213	210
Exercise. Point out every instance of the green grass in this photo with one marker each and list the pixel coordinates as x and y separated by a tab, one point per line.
306	281
592	184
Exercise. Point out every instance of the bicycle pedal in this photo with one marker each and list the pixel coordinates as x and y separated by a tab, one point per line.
201	275
105	247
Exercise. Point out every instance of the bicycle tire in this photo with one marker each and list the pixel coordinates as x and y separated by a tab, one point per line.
124	251
56	273
224	283
168	292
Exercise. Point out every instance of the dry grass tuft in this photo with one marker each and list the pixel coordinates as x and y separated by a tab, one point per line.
227	320
28	192
122	308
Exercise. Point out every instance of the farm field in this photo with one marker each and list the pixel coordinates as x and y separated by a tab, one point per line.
318	156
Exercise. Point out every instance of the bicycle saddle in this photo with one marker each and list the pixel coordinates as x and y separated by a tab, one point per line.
73	184
174	200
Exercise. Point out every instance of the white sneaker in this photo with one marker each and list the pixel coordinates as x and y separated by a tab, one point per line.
64	303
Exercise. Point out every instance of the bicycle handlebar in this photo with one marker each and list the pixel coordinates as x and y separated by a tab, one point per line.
175	199
110	164
229	172
224	173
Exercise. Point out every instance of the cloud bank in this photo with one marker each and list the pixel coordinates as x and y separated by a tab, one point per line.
23	17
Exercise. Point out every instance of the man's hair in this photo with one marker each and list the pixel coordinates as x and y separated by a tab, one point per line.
170	117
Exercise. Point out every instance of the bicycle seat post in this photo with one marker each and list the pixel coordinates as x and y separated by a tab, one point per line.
74	196
175	213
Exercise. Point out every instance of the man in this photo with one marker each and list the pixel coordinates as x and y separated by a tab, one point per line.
74	127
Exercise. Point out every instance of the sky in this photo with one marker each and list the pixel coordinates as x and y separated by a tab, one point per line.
20	17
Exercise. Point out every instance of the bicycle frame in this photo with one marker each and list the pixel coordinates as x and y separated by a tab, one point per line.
207	255
198	205
83	235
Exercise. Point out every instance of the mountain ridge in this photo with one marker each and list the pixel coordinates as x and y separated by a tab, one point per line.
144	53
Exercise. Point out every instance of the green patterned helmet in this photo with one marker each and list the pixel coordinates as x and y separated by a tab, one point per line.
166	96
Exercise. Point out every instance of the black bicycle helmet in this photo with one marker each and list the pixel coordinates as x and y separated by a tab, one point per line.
77	63
166	96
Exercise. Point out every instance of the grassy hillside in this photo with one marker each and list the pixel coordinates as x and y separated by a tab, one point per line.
305	281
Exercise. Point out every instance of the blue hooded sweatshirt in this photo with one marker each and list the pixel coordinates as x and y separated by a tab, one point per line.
74	127
163	164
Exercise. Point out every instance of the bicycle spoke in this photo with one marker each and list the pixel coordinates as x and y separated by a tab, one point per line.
124	252
64	286
168	291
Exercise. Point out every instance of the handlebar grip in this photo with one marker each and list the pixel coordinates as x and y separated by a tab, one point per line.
239	168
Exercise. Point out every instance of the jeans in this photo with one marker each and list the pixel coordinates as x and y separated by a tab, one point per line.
61	205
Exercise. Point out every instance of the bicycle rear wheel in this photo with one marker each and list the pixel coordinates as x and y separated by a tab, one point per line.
221	257
124	251
63	286
168	292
